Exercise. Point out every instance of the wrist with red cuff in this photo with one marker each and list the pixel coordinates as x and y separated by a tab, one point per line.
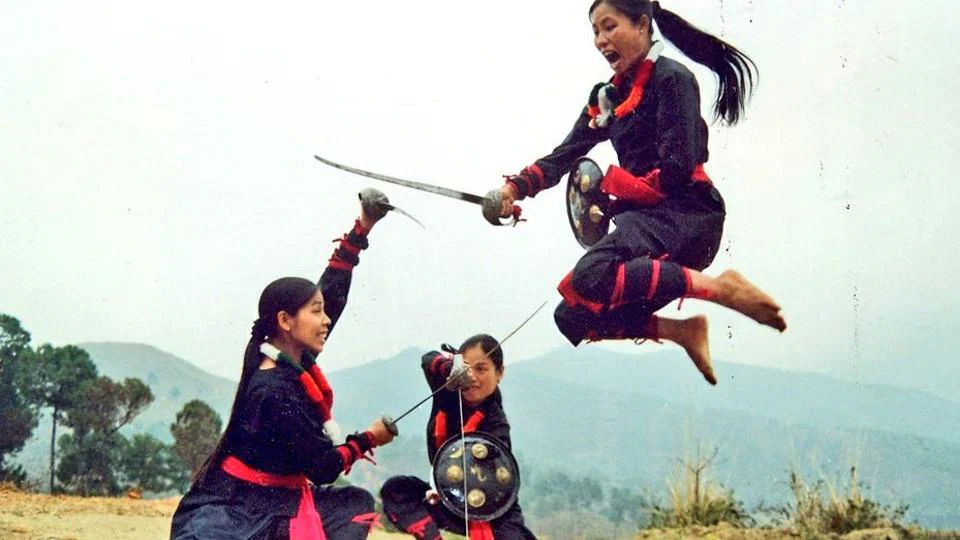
527	183
347	254
441	365
356	447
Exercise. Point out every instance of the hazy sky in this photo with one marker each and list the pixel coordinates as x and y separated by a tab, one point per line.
156	172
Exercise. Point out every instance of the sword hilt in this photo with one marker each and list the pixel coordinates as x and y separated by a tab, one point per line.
492	204
390	424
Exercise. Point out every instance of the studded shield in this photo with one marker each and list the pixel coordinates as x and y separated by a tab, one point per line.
587	206
477	470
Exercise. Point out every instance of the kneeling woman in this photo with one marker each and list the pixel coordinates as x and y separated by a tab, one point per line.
267	476
408	501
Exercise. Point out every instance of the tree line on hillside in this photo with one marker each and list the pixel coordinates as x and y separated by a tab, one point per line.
93	458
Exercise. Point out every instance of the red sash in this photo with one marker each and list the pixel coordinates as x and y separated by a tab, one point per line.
306	525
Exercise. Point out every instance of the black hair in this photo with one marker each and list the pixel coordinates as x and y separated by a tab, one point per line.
287	294
490	347
735	70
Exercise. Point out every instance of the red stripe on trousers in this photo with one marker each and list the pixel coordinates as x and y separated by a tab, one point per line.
617	297
654	279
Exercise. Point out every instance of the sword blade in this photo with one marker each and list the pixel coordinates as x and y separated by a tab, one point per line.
446	192
499	344
399	211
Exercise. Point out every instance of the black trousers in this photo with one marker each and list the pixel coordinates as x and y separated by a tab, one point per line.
231	509
639	267
405	505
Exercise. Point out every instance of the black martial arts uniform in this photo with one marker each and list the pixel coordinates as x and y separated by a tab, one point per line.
404	496
638	268
260	486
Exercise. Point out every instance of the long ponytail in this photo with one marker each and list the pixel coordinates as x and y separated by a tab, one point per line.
735	70
287	294
251	362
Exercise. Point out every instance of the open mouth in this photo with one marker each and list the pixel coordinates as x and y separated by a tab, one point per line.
611	56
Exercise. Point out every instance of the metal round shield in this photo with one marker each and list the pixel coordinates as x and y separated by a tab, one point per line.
478	471
587	205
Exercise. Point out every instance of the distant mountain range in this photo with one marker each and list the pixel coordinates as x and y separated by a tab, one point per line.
626	419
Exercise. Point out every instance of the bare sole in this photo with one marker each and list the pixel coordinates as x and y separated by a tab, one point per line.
742	296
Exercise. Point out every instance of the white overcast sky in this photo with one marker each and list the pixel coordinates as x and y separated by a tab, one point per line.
156	170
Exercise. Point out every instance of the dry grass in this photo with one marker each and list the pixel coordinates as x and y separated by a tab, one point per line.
26	516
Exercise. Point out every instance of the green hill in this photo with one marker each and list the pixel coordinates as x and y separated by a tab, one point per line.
625	419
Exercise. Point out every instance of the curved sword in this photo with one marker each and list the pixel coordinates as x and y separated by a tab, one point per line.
490	203
446	192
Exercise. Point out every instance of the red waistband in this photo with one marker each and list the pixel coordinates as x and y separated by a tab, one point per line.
700	175
238	469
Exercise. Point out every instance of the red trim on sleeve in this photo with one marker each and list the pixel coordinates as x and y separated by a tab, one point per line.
338	264
527	186
370	439
355	446
345	244
433	364
360	229
516	187
346	456
654	279
538	173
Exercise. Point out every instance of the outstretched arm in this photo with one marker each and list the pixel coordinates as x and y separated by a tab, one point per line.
547	171
336	279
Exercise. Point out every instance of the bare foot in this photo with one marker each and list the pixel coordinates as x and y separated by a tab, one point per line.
736	293
692	334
